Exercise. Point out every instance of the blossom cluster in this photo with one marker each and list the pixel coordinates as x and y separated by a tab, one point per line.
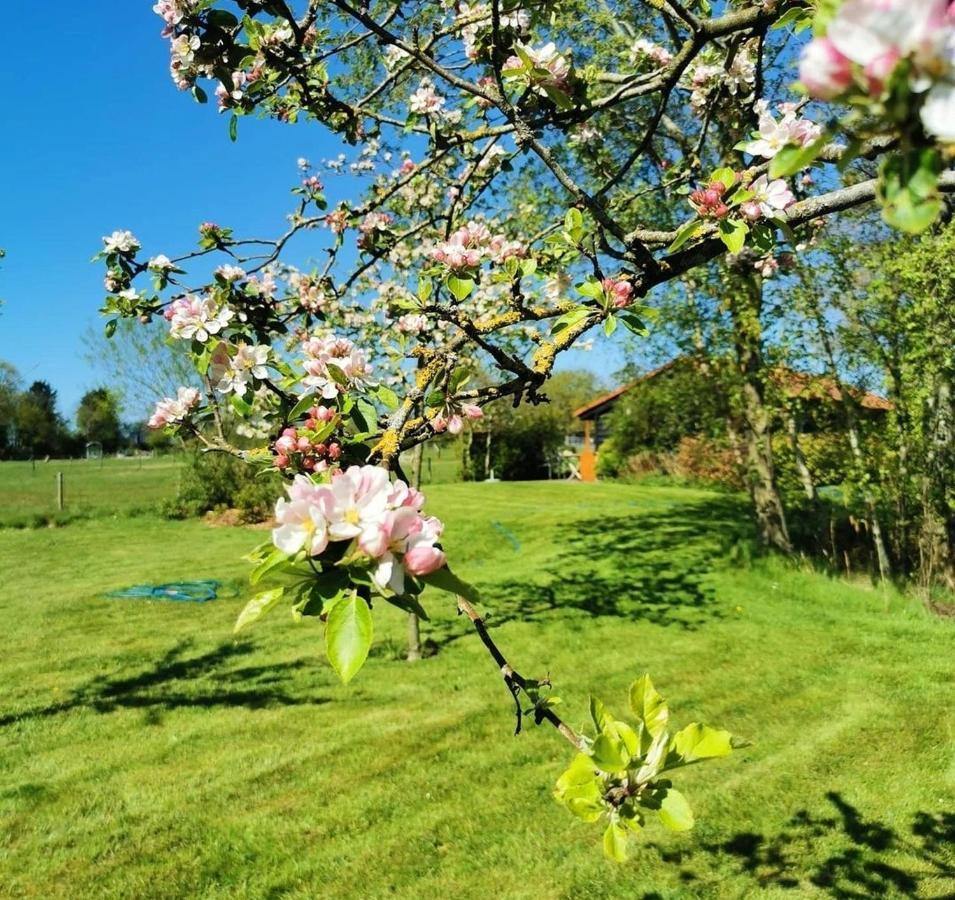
774	134
868	41
548	67
174	410
233	368
451	417
363	506
471	244
708	201
304	448
330	361
769	198
197	317
618	291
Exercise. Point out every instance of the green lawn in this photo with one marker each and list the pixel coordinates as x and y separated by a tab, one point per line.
145	753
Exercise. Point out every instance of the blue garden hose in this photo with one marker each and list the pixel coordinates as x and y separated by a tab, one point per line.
181	591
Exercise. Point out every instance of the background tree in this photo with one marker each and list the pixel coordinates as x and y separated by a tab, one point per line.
97	418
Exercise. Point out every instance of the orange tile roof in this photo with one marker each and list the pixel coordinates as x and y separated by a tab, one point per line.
795	384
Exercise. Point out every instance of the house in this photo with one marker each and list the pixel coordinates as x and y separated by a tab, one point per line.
812	392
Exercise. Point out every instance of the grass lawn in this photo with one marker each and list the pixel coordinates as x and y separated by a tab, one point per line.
145	753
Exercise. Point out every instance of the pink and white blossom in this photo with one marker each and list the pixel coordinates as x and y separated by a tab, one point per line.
197	318
772	196
774	134
349	361
123	242
174	410
233	368
426	100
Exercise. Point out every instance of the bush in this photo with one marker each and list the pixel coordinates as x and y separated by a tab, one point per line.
211	481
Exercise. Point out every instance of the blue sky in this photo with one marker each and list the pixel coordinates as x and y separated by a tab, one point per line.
96	137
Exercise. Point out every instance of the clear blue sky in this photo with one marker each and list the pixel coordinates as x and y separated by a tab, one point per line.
95	138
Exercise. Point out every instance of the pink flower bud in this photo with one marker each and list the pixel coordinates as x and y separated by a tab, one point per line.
281	462
721	211
303	444
751	210
334	451
711	197
439	423
455	424
423	559
472	411
824	70
879	69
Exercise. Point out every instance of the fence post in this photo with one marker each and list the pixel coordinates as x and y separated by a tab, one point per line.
59	491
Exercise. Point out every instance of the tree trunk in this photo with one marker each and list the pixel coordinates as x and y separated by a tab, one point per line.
802	469
756	429
938	521
414	626
855	444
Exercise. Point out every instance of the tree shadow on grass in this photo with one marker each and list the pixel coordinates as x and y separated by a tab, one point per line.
650	565
177	680
873	859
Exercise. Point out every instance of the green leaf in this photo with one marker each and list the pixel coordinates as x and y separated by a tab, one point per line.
272	561
591	288
446	580
111	327
389	399
257	607
648	706
573	219
425	288
733	233
571	318
599	714
726	176
634	323
365	415
908	190
687	231
579	789
610	325
615	842
348	633
300	408
675	812
242	406
234	128
700	742
460	287
794	158
609	754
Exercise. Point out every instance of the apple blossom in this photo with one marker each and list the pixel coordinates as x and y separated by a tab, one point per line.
173	410
123	242
775	134
348	361
772	196
426	100
191	317
160	263
234	371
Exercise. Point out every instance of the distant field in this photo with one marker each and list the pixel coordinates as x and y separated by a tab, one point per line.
96	488
91	487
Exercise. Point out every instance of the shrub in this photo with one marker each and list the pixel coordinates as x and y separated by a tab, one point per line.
212	481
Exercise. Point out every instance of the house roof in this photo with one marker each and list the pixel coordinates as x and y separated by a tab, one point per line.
596	407
796	385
